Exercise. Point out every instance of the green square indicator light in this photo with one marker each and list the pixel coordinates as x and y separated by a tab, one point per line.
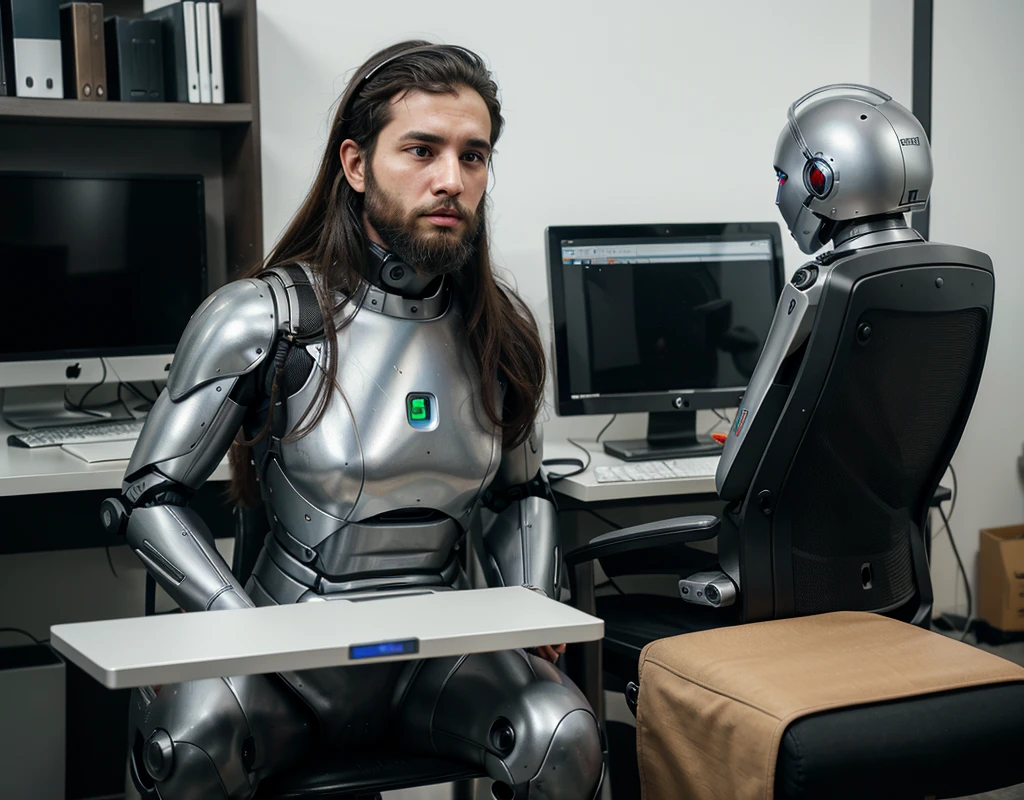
421	411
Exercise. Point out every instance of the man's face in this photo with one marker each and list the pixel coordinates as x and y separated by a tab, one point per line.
425	184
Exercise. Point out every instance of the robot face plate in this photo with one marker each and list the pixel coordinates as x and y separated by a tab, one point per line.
794	194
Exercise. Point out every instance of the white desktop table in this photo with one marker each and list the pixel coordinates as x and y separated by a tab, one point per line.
585	488
171	648
44	470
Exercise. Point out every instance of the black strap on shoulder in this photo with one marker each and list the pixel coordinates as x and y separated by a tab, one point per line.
310	322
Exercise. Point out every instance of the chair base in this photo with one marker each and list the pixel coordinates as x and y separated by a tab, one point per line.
326	776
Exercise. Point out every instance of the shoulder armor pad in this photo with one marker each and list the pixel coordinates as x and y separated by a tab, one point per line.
299	311
228	335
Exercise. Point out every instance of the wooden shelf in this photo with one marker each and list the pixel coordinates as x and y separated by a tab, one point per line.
81	112
220	141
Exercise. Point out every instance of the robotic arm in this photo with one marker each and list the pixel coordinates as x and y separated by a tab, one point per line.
770	384
188	431
520	530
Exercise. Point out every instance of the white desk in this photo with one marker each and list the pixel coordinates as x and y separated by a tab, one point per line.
585	488
49	469
44	470
172	648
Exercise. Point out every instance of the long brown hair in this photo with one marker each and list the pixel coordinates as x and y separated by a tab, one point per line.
327	233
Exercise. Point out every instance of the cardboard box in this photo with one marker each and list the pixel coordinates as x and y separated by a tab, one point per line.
1001	577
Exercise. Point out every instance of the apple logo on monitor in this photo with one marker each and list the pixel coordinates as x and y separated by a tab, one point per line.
73	371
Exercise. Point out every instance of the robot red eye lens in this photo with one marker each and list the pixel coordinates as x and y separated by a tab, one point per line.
817	179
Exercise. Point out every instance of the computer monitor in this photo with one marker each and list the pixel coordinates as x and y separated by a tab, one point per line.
667	319
102	273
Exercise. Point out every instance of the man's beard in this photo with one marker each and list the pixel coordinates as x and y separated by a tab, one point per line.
436	252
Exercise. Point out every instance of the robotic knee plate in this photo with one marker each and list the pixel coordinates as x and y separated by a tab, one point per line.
189	741
571	768
161	770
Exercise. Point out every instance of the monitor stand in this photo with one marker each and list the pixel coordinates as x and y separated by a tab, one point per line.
41	406
670	434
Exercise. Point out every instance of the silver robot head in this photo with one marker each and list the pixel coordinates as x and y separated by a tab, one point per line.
848	156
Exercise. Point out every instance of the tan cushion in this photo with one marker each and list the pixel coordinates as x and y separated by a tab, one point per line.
714	704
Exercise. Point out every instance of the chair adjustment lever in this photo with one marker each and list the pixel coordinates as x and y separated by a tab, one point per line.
714	589
632	696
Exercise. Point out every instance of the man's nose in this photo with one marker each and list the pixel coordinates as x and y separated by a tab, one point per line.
448	177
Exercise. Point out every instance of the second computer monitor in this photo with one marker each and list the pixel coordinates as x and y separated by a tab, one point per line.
660	318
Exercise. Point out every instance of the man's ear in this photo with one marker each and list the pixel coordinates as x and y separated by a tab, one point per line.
353	162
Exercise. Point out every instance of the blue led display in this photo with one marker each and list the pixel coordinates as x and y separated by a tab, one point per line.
383	649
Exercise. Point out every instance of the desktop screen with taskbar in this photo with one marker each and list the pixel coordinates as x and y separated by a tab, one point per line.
649	315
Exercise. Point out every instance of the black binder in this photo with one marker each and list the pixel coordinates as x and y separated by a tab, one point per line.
134	60
172	25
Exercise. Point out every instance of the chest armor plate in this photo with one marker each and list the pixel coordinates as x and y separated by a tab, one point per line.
405	429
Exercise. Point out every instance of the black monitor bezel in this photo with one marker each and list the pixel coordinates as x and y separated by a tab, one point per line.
692	399
130	350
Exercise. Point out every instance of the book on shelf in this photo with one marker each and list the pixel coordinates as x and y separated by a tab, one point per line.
82	51
193	60
135	65
60	49
31	48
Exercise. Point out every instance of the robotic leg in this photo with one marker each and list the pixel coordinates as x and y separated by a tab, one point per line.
214	738
515	714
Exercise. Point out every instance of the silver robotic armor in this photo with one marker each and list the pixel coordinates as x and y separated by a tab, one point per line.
383	490
376	498
187	432
849	167
519	542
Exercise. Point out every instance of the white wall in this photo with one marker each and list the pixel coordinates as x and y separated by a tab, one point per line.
616	113
977	117
892	51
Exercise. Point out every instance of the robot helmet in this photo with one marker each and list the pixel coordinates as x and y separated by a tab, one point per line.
847	157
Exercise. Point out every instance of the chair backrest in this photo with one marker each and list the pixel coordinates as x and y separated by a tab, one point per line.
833	517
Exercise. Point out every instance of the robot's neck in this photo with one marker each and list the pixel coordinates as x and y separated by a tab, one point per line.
386	272
872	232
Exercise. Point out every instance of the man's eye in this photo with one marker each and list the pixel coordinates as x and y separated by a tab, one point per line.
475	158
420	151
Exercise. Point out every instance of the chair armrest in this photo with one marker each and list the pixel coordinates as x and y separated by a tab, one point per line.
678	530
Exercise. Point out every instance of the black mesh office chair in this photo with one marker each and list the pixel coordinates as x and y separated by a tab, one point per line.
869	414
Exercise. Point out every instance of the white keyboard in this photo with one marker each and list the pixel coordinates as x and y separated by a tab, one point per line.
84	433
698	467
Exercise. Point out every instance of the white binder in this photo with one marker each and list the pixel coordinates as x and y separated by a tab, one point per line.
188	8
216	55
203	50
